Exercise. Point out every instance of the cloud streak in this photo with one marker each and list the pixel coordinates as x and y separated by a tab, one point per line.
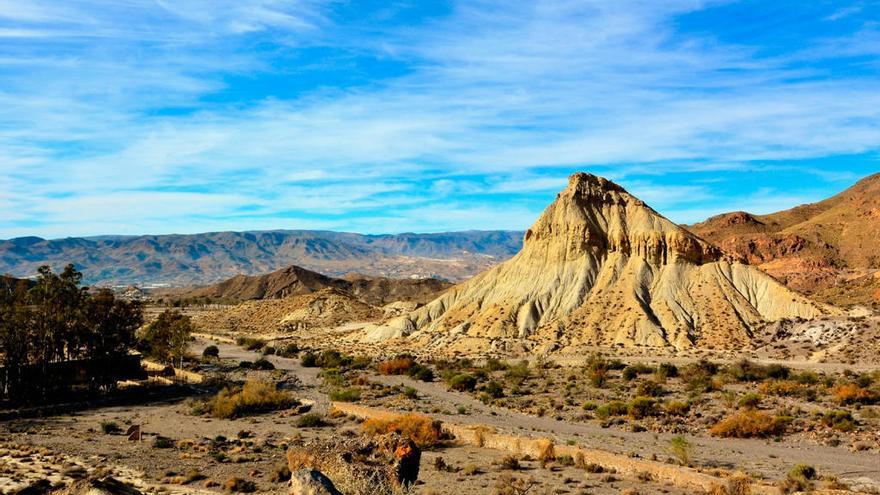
271	114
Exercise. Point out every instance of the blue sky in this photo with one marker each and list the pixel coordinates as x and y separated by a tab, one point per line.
161	116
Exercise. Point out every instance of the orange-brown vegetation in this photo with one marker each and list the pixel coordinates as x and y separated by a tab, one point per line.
422	430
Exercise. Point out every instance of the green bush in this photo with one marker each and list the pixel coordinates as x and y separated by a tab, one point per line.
839	420
254	397
309	360
642	407
310	420
667	370
750	401
110	427
263	364
494	390
421	373
161	442
345	395
250	343
650	388
462	382
289	351
613	408
212	351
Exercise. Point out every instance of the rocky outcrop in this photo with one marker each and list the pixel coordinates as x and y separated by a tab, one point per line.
600	267
814	248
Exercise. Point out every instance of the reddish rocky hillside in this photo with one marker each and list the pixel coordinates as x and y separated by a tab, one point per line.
829	249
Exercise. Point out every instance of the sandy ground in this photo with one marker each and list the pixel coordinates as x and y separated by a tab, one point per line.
258	455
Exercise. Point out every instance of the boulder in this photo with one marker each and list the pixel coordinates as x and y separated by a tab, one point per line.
311	482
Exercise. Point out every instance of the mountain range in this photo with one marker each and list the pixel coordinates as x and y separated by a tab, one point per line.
197	259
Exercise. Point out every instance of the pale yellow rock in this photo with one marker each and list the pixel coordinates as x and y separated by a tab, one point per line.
601	267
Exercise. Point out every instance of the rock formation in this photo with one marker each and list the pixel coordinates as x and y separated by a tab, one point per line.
818	248
600	267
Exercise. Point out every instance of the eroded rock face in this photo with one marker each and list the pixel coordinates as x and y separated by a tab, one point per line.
815	248
600	267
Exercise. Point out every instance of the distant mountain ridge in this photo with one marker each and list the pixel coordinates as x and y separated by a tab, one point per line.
190	259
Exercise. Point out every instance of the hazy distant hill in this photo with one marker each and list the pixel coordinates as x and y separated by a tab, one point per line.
205	258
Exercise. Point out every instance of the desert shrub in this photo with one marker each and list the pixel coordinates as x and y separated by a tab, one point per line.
806	377
462	382
851	393
422	430
239	485
263	364
250	343
594	468
839	420
289	351
493	364
799	479
667	370
681	448
510	462
700	376
212	351
470	470
494	390
280	474
748	424
675	408
331	358
309	360
110	427
634	370
750	401
518	373
597	370
565	460
269	350
350	394
613	408
256	396
864	380
788	388
310	420
650	388
161	442
246	365
739	484
397	366
410	393
642	407
421	373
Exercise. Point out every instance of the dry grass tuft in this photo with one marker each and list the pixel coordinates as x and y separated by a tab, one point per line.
422	430
257	396
749	424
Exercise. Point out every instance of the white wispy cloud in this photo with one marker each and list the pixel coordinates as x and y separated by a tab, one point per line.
498	102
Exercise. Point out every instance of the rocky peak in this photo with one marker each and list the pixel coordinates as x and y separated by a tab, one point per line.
594	216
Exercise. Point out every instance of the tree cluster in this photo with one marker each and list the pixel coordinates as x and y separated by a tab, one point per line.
167	338
54	321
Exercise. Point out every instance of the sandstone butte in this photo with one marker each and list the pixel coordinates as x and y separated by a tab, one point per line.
601	268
